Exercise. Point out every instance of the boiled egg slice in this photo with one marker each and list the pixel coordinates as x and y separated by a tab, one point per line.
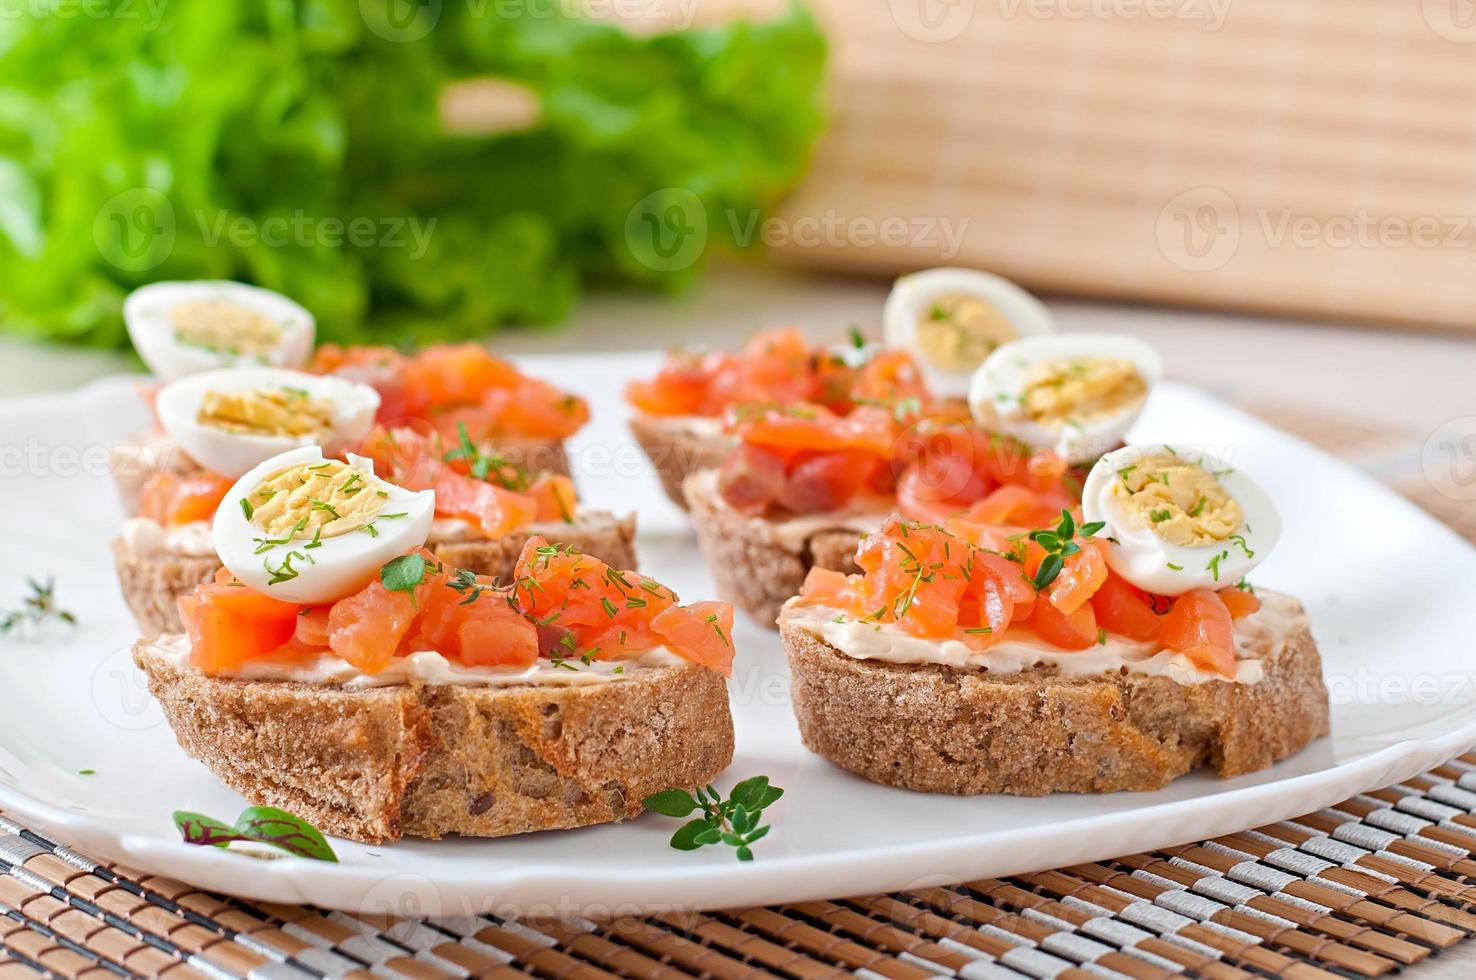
308	529
230	420
1178	519
182	328
950	320
1075	394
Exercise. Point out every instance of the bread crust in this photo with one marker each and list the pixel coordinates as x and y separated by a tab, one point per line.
944	730
751	567
152	583
378	764
676	452
135	461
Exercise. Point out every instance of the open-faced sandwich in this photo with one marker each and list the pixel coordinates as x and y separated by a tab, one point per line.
228	421
681	418
805	483
186	328
365	685
1116	648
939	326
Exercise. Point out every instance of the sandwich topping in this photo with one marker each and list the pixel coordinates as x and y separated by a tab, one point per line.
952	319
1178	499
1082	389
479	494
231	419
185	328
1075	394
1006	599
1178	519
957	331
327	581
803	460
778	367
448	387
267	411
565	619
221	324
313	501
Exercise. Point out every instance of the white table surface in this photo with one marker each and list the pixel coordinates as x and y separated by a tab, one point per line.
1415	381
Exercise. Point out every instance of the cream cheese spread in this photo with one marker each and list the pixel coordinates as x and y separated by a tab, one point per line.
1256	636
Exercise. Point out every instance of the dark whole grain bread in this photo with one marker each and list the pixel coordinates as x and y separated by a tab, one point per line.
675	451
946	730
751	566
152	582
378	764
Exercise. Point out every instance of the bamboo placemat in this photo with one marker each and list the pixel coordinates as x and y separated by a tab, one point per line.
1312	157
1380	882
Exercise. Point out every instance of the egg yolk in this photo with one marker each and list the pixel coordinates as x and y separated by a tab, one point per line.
220	325
1078	390
1179	500
957	332
267	412
319	500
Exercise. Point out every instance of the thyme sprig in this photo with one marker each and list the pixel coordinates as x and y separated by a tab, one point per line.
1059	544
36	609
734	821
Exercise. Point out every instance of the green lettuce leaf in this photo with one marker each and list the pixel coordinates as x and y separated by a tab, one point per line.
246	139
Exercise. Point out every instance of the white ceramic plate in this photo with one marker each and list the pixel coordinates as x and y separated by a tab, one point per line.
1387	587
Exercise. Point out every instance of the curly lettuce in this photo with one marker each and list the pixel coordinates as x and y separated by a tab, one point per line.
301	145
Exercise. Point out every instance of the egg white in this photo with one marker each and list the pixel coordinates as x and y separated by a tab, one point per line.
146	313
997	386
341	565
231	453
913	295
1146	560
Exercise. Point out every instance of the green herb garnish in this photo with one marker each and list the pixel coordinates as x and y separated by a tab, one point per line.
36	609
404	574
734	821
1059	545
258	824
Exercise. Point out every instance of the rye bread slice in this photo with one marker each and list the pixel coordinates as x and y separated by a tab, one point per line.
676	451
752	565
152	582
945	730
378	764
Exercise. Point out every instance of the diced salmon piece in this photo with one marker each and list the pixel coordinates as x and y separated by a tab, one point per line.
1199	626
172	498
701	632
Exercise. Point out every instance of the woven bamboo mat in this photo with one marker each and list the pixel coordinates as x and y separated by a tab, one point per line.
1380	882
1310	157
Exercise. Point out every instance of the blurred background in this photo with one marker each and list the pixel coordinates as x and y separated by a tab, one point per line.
1281	193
